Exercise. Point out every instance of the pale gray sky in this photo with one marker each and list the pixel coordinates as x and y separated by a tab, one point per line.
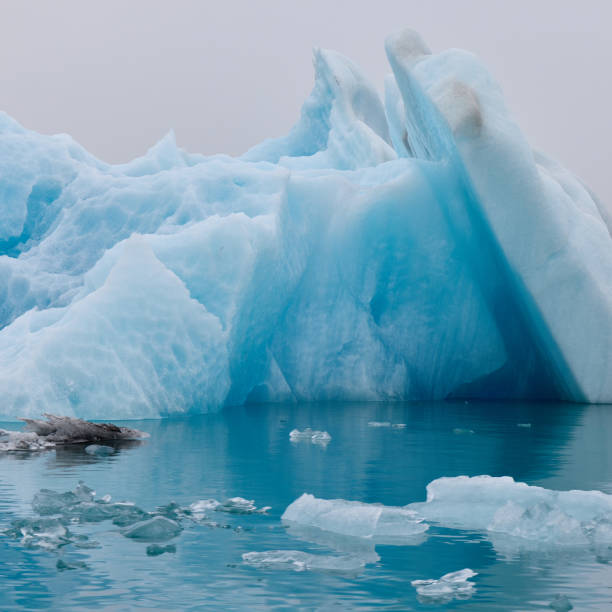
117	74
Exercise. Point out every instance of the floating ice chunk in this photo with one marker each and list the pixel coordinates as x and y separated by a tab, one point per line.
460	431
239	505
46	533
198	509
99	450
455	585
387	424
233	505
156	529
355	518
154	550
526	425
70	430
561	604
22	441
516	515
311	435
60	430
300	561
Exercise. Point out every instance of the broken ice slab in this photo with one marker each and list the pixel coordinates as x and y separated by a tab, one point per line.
355	518
461	431
300	561
455	585
156	529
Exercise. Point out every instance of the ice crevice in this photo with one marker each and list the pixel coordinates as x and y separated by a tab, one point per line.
354	259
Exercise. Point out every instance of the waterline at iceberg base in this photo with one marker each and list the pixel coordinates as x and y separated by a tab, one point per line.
416	249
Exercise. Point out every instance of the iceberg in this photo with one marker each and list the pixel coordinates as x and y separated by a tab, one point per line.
411	249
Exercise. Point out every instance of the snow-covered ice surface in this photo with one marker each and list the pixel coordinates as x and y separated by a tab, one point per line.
354	258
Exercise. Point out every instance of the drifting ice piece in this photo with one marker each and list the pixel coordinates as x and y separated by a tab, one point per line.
156	529
355	518
60	430
299	561
516	515
451	586
316	437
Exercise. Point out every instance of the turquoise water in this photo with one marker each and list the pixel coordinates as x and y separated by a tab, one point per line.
247	452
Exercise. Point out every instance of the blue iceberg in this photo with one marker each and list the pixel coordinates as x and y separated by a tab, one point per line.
416	249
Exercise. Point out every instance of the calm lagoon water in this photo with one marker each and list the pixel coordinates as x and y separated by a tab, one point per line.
247	452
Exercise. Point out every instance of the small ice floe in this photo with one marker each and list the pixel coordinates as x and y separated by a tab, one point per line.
300	561
233	505
525	425
59	513
561	604
154	550
455	585
516	516
356	518
310	435
399	425
99	450
461	431
63	430
387	424
156	529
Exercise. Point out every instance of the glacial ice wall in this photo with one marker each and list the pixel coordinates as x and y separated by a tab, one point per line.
413	250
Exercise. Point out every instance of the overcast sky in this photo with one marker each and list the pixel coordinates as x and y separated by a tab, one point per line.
117	74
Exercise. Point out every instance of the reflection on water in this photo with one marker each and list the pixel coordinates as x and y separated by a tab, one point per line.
247	452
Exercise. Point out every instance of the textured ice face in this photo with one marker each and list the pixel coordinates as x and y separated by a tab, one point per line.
418	250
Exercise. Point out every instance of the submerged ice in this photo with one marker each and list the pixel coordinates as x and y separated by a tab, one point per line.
416	249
